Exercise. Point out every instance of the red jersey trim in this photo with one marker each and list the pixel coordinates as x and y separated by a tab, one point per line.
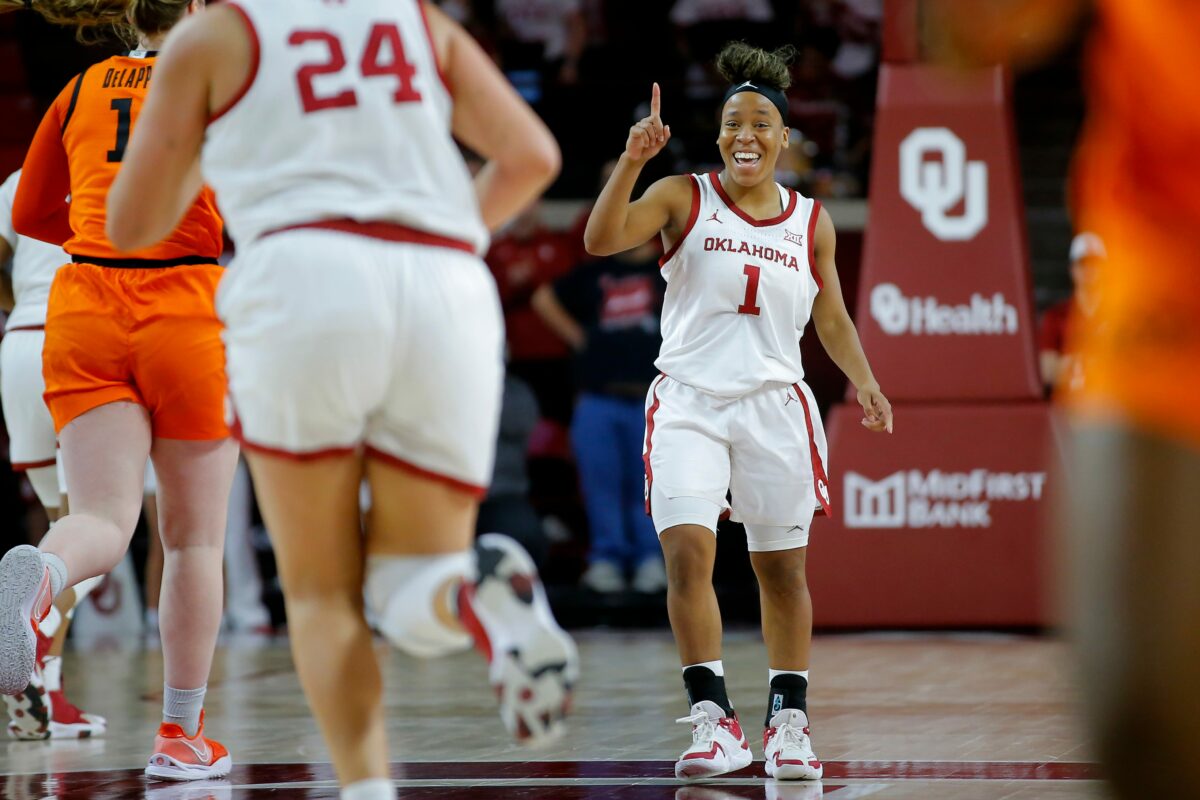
818	467
715	179
24	466
474	490
650	436
691	222
387	231
433	48
255	59
812	244
26	328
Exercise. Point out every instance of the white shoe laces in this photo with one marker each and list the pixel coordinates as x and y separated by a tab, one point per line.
792	736
704	727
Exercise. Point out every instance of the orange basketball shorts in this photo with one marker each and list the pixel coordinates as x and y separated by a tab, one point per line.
145	336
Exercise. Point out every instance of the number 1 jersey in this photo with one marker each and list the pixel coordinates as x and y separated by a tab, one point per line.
346	116
77	151
739	292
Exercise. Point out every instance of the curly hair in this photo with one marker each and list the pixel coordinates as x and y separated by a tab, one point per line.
739	62
90	18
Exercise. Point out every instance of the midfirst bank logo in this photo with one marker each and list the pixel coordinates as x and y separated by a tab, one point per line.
898	314
933	187
935	499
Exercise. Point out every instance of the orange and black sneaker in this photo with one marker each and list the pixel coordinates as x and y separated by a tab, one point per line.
179	757
25	600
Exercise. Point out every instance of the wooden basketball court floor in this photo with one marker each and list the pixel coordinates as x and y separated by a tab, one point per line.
960	717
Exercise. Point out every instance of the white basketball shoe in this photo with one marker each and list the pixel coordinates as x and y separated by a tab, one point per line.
788	748
533	662
718	744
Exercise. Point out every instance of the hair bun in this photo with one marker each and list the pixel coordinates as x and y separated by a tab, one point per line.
739	62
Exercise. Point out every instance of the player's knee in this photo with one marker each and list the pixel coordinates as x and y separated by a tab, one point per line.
407	597
689	564
781	573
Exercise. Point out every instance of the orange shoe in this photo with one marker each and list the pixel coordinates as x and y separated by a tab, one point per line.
178	757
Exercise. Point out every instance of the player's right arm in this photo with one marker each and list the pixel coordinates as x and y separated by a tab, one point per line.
616	224
491	118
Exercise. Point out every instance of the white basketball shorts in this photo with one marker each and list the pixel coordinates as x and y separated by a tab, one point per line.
32	443
764	450
339	343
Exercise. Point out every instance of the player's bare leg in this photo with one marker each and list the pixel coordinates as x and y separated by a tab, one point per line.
787	630
718	743
194	479
154	562
312	514
104	455
1134	523
690	552
786	607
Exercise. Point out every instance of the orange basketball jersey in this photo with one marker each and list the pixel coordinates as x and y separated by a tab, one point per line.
77	152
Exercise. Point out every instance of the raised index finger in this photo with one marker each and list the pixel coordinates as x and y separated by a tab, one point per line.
655	101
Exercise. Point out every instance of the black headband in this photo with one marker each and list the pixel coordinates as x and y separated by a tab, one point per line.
776	97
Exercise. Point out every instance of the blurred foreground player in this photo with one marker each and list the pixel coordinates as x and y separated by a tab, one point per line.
1134	470
326	130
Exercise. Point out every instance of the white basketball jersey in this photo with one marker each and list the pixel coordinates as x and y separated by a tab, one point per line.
33	265
345	117
739	293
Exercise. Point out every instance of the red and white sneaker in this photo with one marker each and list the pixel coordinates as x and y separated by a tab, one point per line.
788	748
25	600
67	721
178	757
29	711
718	744
533	662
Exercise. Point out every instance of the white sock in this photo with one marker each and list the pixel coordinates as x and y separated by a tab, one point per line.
52	673
183	707
58	572
771	673
53	621
717	667
370	789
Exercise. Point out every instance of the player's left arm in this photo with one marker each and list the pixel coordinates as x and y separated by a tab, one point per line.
160	177
838	335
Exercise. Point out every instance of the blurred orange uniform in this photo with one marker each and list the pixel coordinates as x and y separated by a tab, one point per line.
1137	184
138	327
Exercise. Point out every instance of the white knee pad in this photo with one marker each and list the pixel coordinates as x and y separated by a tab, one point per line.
401	592
671	511
45	485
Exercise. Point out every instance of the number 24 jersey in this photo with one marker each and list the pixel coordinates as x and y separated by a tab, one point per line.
740	292
346	116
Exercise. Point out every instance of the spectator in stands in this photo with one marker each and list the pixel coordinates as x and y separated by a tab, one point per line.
608	311
546	36
506	507
1057	365
523	257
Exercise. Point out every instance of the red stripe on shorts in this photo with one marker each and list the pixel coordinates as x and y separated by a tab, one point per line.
818	467
649	437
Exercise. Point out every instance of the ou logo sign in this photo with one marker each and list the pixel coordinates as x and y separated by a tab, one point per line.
935	187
